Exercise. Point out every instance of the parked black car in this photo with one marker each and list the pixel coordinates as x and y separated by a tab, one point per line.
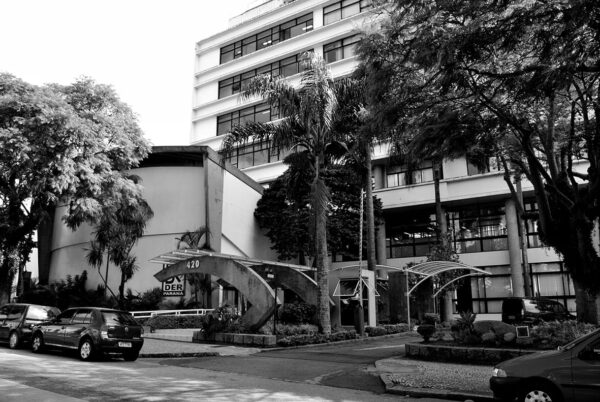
522	310
92	331
18	319
571	373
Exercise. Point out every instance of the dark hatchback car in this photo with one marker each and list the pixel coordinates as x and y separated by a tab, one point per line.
522	310
92	331
18	319
571	373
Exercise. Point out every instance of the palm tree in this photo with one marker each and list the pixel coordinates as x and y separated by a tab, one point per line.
307	115
120	226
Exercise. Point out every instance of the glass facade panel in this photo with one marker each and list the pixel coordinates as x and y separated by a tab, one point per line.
478	228
402	175
344	9
267	38
286	67
340	49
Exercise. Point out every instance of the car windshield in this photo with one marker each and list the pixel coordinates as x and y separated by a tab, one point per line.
118	318
41	313
577	341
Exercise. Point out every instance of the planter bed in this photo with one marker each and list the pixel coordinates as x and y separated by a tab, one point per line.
255	340
463	354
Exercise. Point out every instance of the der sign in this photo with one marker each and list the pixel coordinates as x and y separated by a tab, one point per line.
174	286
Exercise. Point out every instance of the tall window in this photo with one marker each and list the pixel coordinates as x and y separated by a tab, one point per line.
340	49
410	236
402	175
479	228
488	291
286	67
531	224
254	154
481	165
344	9
260	113
553	281
266	38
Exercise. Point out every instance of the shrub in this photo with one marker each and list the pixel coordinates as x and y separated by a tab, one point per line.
306	339
297	313
463	329
555	333
173	321
431	318
488	338
497	327
287	329
426	331
149	300
386	329
222	319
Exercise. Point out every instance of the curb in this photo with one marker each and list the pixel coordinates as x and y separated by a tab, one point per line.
346	341
175	355
390	388
442	394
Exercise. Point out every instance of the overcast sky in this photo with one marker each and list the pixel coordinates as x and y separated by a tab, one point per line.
143	48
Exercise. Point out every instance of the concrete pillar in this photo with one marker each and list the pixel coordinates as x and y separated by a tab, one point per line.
397	295
514	249
380	245
379	177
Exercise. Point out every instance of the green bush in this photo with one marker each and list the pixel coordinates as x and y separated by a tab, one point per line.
556	333
306	339
386	329
149	300
173	321
297	313
301	329
497	327
222	319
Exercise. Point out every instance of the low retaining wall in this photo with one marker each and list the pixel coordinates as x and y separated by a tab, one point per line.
476	355
263	341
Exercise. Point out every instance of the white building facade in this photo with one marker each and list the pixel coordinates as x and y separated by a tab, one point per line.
480	213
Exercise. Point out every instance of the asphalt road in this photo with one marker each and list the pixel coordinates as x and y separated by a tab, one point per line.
346	366
274	376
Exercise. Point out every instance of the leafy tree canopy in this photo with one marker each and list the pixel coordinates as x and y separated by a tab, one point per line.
516	78
285	212
62	144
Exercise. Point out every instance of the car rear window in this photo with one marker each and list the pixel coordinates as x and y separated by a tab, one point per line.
511	305
118	318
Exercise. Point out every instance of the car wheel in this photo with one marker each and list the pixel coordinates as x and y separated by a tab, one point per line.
37	343
86	350
13	340
130	356
536	392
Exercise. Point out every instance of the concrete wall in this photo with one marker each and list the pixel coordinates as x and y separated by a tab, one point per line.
175	194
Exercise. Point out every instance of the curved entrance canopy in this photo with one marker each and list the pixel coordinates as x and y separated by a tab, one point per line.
247	275
429	269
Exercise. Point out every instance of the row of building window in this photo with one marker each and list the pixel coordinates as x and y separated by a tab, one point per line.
472	229
334	51
286	67
254	154
267	38
289	29
344	9
261	113
548	280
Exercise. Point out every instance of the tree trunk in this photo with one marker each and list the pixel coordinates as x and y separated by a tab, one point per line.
321	256
371	253
446	309
588	304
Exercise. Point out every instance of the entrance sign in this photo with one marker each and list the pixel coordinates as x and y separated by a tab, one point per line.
174	286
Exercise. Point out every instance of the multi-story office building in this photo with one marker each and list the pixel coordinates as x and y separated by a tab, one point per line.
480	213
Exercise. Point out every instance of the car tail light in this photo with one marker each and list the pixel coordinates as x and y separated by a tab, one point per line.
104	334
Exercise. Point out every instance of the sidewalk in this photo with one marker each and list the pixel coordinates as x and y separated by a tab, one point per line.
401	376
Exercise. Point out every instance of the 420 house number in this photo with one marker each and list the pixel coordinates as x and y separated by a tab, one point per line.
193	264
